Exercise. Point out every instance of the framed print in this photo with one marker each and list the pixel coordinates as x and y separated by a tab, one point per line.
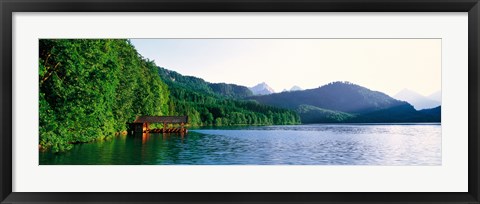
260	101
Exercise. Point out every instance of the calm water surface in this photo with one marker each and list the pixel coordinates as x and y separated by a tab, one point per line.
359	144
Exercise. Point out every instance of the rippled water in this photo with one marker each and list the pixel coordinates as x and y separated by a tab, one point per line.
339	144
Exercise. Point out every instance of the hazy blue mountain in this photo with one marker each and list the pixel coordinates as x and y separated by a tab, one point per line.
200	85
435	113
262	89
400	114
295	88
345	102
417	100
437	96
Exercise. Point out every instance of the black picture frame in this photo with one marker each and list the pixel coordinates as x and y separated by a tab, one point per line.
7	8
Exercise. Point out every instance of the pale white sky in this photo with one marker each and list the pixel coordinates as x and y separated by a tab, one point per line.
386	65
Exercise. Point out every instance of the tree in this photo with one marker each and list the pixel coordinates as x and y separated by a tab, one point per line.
90	89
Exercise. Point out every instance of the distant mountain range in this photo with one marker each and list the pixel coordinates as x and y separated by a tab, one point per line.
296	88
437	96
340	96
419	101
262	89
347	102
336	102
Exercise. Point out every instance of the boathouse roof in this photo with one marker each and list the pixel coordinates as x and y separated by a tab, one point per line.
161	119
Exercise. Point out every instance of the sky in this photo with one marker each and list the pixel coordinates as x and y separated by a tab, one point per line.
386	65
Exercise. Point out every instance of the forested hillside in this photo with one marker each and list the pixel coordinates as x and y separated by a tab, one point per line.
218	103
201	86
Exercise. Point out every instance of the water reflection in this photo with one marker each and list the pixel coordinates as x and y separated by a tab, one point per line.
406	144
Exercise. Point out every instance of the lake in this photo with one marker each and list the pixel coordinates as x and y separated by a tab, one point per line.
316	144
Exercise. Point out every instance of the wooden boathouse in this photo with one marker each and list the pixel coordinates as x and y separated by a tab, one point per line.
142	123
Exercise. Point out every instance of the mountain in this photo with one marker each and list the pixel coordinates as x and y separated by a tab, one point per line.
262	89
417	100
200	85
340	96
345	102
296	88
400	114
435	113
437	96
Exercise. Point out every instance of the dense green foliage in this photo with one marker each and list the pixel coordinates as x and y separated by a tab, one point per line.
347	102
218	104
90	89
